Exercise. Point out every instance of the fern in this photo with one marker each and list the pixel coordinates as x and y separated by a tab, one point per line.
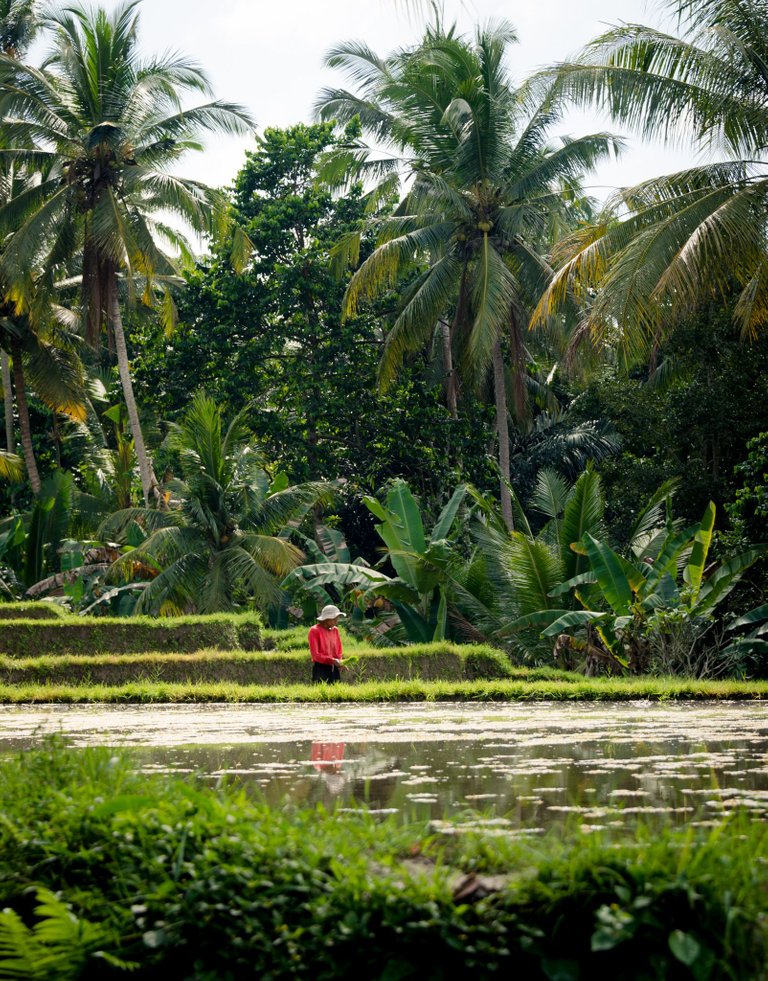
57	947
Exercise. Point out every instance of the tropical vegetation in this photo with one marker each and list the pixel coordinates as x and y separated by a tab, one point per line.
415	369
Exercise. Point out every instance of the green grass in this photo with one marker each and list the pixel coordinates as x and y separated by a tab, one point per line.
31	611
425	662
590	689
295	639
184	881
111	635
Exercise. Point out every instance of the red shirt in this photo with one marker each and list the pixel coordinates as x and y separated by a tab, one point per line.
327	757
324	644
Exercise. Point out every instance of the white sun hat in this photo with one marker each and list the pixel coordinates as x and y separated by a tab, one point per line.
330	613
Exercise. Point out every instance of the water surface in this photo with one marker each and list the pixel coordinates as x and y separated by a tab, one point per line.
522	767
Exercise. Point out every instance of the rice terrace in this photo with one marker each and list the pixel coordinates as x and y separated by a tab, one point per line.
384	490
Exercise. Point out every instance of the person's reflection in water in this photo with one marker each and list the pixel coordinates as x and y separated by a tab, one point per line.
327	758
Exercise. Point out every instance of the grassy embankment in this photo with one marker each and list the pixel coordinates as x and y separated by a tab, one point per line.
188	882
47	656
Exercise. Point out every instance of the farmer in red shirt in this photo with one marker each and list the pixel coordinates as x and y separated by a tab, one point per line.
325	646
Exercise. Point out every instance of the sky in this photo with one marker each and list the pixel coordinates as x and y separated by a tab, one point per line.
268	55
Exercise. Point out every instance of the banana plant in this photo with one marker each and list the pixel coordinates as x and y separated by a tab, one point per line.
29	543
754	643
425	563
526	568
623	599
332	575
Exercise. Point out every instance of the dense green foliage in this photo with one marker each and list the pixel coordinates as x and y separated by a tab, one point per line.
272	339
651	609
690	418
200	884
341	401
749	511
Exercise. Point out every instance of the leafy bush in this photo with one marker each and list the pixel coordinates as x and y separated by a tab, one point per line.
652	611
749	511
194	883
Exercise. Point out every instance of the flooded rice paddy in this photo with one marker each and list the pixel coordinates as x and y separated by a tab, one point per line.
520	768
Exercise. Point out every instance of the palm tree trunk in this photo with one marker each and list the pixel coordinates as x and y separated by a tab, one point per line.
448	369
24	425
10	436
149	485
502	428
448	335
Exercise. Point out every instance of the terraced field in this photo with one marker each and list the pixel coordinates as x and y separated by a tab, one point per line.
42	646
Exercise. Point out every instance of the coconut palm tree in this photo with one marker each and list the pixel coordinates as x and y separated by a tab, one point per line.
18	25
224	538
44	356
107	127
10	466
485	190
691	236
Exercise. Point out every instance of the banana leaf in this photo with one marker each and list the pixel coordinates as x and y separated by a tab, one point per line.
652	513
720	584
666	562
442	618
396	591
574	619
533	621
757	615
746	645
586	578
334	573
583	513
694	570
401	504
419	630
617	578
448	515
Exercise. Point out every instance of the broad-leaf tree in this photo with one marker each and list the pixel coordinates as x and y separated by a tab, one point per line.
107	126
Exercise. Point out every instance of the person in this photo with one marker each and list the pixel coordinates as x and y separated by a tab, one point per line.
325	646
327	757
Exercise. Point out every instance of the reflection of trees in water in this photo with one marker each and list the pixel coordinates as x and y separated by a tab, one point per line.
584	773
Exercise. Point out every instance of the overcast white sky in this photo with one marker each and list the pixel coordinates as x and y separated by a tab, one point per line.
268	55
